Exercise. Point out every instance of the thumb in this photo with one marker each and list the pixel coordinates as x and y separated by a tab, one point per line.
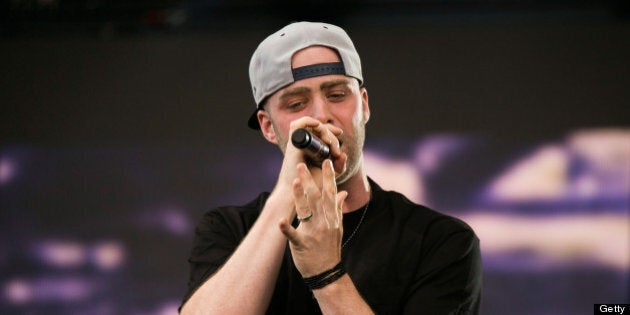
289	231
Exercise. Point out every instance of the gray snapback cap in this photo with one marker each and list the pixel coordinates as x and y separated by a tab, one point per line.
270	66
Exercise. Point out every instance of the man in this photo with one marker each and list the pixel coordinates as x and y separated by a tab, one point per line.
353	248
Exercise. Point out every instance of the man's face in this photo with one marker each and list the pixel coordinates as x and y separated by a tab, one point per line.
332	99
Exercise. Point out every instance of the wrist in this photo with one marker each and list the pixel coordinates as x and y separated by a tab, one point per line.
333	290
325	278
281	202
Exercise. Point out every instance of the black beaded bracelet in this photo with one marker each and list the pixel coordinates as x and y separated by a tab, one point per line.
325	278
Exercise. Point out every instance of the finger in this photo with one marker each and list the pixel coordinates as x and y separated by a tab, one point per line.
329	194
310	122
335	130
329	135
301	205
304	121
312	192
289	232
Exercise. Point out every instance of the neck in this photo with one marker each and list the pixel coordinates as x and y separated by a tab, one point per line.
359	191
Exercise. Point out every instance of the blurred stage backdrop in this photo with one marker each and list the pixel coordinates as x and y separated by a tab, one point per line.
121	122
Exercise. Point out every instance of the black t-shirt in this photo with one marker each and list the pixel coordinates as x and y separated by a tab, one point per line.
404	258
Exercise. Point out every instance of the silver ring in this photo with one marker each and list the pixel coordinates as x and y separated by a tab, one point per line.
305	218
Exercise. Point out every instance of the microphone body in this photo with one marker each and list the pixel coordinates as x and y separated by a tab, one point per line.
316	150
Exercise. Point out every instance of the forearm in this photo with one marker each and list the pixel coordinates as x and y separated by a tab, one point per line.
245	283
341	297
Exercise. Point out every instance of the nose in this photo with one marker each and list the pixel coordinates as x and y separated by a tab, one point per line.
321	110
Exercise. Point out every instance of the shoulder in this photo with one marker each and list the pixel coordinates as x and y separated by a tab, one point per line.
427	223
437	238
253	206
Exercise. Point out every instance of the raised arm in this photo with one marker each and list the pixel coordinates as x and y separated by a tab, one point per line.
245	283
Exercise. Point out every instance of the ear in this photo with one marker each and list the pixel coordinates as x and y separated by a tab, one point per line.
266	127
365	105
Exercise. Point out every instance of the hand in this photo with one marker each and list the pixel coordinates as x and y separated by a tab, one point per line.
329	134
316	243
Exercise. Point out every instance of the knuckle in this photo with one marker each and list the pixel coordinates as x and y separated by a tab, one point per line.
294	124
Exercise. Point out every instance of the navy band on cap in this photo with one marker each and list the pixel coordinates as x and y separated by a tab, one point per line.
318	70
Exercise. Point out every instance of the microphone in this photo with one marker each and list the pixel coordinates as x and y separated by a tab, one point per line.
314	148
